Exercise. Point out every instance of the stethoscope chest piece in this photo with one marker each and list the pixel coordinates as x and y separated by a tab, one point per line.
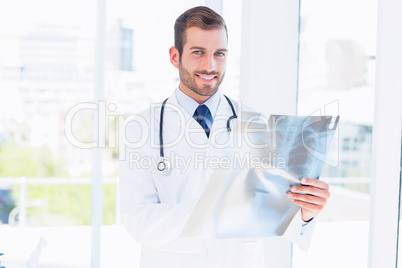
163	166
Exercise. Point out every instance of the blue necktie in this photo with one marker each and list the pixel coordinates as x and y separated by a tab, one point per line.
202	114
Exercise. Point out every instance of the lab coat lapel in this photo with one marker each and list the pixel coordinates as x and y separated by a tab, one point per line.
179	119
218	131
219	137
175	113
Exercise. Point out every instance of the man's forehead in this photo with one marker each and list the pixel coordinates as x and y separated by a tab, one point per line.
201	38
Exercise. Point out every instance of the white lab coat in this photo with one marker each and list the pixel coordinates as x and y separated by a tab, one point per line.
155	207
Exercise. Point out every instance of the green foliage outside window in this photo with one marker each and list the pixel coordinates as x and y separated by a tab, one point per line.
52	205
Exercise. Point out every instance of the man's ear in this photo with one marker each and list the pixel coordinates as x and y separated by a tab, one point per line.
174	56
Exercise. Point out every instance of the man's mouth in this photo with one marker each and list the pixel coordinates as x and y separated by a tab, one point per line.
206	77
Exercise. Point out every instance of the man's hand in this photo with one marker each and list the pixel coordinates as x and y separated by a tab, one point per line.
311	196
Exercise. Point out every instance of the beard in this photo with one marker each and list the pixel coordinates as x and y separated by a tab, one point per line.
189	80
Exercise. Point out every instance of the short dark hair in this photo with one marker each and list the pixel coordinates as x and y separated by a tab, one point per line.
202	17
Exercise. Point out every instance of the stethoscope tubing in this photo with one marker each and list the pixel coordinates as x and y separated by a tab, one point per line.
163	163
161	151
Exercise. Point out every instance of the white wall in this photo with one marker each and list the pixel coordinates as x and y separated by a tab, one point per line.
386	156
269	58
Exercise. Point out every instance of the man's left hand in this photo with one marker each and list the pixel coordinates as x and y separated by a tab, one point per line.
311	196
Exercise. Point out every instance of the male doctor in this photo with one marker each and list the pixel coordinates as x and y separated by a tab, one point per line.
155	206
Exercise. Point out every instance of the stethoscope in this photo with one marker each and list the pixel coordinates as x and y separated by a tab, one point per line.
164	164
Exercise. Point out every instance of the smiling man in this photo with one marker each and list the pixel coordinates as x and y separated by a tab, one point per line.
202	65
156	202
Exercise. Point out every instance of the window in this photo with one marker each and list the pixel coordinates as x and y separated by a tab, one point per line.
336	76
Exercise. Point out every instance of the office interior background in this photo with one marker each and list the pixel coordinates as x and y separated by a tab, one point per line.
306	57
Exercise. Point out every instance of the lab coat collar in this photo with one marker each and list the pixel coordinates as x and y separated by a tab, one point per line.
174	112
222	114
190	105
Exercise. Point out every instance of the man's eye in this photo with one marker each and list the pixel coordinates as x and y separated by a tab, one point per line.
197	52
220	54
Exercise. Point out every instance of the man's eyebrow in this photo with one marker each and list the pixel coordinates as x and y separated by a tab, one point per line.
198	48
201	48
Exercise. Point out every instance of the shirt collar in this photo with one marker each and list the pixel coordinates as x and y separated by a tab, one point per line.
190	105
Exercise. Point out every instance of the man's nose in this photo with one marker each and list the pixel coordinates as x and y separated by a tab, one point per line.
209	63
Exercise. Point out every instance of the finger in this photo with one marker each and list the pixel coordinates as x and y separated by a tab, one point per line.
310	190
312	208
308	199
314	182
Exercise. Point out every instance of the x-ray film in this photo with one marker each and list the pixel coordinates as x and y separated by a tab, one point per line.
249	198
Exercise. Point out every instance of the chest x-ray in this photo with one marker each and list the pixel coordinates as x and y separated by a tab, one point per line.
249	199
